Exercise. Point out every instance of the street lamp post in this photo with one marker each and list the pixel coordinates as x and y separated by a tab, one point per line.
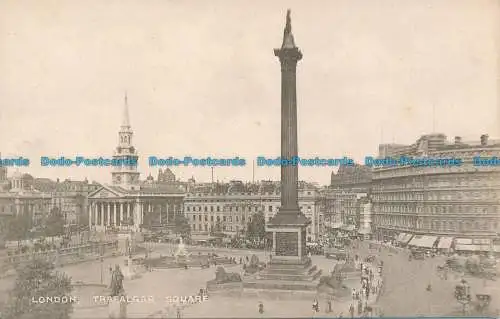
101	258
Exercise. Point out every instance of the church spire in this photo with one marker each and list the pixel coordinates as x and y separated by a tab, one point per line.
126	118
288	40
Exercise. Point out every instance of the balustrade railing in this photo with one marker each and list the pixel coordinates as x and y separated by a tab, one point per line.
60	256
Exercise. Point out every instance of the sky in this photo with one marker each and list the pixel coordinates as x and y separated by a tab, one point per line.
202	79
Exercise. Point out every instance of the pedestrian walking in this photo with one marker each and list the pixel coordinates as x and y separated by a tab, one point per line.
315	306
329	305
179	314
261	307
351	310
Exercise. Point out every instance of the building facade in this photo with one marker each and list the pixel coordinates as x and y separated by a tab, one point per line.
128	203
454	201
71	199
22	198
233	205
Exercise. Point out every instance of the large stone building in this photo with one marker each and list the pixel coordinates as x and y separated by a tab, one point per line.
129	203
233	205
356	178
453	202
348	192
21	198
4	181
71	199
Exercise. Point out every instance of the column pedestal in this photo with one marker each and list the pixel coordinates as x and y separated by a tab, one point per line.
117	309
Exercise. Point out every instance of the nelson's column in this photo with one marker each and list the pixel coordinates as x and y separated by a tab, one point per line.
289	225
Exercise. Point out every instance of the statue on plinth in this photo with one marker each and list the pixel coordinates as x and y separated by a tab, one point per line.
181	255
118	304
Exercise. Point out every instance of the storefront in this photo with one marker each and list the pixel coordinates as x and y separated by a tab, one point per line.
422	241
468	246
445	244
403	239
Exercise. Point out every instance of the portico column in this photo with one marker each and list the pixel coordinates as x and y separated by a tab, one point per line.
115	213
168	204
109	213
90	216
129	210
121	213
101	206
137	211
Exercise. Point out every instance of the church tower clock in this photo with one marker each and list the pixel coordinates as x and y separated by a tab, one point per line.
126	176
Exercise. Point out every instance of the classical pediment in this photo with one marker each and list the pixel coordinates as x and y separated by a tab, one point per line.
105	192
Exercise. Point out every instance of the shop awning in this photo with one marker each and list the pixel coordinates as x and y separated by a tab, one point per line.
463	241
472	247
348	227
482	242
445	242
364	231
401	237
423	241
336	225
407	238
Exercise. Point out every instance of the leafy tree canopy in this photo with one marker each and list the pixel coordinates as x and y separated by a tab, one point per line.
182	226
39	279
17	227
256	228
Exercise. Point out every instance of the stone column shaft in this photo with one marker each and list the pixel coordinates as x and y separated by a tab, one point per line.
121	213
101	210
109	213
90	216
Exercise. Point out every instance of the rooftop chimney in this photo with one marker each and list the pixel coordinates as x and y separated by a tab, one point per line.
484	139
458	140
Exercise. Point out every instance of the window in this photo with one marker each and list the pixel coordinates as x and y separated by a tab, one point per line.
205	208
206	218
194	217
218	208
211	218
270	208
223	218
188	208
211	208
199	218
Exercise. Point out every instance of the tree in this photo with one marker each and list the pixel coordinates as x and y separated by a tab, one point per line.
54	224
256	227
18	227
182	226
216	229
39	279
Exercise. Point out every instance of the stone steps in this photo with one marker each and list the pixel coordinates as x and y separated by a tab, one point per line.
281	285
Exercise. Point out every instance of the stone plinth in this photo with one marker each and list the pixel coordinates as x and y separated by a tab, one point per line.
129	269
117	309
